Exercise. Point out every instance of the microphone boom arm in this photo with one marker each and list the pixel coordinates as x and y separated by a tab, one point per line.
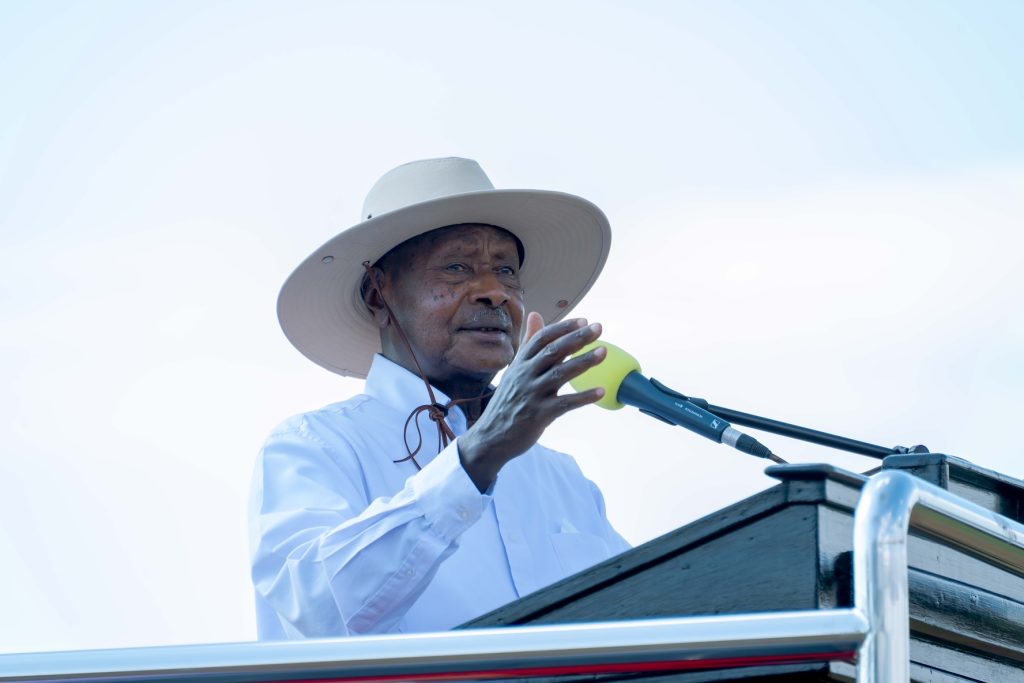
794	431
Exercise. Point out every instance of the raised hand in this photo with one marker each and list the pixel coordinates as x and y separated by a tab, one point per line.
527	400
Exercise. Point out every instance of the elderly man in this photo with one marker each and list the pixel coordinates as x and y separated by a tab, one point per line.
358	523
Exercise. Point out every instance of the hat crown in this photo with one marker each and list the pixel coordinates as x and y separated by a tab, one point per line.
421	181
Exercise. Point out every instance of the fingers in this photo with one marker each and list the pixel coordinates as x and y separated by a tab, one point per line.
560	373
555	352
548	334
566	402
527	401
558	340
577	365
543	363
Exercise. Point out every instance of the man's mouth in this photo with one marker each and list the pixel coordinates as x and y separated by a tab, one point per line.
485	329
488	324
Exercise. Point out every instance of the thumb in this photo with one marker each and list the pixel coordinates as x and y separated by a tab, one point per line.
534	324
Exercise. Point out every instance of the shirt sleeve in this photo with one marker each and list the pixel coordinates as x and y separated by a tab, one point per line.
330	562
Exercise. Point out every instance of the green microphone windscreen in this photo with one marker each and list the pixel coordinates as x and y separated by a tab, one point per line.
609	374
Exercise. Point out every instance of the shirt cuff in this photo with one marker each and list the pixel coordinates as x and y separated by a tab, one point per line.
449	499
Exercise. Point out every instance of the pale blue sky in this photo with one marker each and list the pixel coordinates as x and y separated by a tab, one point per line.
816	208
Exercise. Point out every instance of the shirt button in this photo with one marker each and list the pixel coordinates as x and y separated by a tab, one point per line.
408	573
463	513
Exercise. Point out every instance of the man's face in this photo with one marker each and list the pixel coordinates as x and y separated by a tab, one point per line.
456	294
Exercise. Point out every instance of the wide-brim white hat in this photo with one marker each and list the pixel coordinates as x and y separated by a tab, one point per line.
565	242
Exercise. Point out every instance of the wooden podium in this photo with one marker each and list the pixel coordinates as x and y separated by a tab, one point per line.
789	548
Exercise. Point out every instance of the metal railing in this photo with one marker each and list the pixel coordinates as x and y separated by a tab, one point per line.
890	504
874	633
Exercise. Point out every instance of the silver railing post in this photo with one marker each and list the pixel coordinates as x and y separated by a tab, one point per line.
881	587
889	503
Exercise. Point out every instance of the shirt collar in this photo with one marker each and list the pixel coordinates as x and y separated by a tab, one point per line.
404	391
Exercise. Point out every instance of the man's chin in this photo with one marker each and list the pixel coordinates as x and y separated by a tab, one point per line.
482	366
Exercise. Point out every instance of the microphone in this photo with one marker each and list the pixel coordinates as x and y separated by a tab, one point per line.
619	375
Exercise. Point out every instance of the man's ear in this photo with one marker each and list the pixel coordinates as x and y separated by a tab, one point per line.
372	283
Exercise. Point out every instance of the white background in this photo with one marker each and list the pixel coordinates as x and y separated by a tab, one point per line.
816	211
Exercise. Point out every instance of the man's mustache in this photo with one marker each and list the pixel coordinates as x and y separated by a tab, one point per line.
494	317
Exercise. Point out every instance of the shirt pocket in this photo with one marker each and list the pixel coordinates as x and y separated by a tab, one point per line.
575	551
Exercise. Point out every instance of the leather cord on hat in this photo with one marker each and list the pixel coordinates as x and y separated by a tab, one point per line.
437	412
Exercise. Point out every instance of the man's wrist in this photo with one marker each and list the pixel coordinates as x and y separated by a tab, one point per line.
474	462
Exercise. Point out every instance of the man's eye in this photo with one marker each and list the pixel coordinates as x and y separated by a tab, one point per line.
456	268
506	270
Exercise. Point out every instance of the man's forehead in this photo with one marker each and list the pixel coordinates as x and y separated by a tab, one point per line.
461	238
471	236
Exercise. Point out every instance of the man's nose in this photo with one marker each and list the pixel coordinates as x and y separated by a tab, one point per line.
489	290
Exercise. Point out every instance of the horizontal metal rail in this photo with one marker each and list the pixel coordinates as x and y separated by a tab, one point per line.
875	632
642	645
891	503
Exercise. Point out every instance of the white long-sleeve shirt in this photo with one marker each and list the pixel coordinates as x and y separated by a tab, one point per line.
346	541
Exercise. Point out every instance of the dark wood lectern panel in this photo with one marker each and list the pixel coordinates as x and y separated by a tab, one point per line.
695	582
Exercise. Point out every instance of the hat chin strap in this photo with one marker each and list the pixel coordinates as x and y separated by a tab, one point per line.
435	411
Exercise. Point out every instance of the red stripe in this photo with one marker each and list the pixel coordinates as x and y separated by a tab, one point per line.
637	667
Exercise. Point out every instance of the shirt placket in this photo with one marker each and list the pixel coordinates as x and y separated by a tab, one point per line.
510	526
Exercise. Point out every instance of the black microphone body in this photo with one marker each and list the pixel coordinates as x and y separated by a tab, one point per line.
639	392
619	375
675	409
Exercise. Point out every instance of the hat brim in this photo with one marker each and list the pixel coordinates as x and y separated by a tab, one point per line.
565	239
